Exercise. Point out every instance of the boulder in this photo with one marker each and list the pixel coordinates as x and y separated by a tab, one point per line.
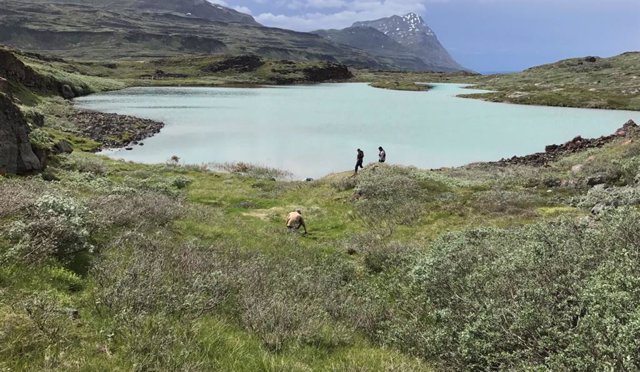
328	72
245	63
16	153
35	118
62	147
626	128
67	92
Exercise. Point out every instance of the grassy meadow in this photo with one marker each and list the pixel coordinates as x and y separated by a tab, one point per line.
111	265
122	266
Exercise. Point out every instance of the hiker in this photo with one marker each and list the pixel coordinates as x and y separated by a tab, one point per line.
382	155
359	160
295	220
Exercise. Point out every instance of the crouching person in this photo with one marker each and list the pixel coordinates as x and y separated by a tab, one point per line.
295	221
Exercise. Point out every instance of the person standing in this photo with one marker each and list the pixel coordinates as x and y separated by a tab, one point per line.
359	160
382	155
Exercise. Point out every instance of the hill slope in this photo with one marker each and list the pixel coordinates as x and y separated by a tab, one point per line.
193	8
96	32
592	82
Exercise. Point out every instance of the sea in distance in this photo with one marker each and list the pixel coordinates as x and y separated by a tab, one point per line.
315	130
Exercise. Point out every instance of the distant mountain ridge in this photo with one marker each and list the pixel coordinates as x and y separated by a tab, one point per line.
413	43
195	8
116	29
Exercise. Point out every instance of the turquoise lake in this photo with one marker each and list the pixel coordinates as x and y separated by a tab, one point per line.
315	130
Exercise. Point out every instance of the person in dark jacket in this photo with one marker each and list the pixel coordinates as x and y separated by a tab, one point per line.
359	160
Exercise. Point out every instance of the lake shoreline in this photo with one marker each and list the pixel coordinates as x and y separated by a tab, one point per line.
311	168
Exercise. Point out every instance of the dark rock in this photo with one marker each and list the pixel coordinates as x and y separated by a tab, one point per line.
128	148
141	144
67	92
42	155
627	128
597	179
577	144
309	179
551	148
113	130
16	153
14	70
552	182
246	63
328	72
62	147
49	177
4	85
590	59
34	118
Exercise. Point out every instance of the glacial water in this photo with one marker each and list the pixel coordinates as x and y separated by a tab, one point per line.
315	130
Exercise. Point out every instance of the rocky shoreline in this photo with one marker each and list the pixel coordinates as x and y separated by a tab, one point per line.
578	144
113	130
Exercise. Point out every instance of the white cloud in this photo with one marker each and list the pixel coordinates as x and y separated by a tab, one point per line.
323	14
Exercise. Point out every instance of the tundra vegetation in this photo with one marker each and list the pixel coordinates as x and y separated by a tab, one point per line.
110	265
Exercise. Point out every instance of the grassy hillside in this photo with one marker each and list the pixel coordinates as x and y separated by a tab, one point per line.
123	266
593	82
109	265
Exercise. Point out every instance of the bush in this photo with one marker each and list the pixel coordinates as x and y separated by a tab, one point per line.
387	196
40	139
144	208
84	164
554	296
144	274
16	195
251	170
609	197
56	226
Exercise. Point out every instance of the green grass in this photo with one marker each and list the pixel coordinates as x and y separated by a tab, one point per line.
401	85
184	268
233	226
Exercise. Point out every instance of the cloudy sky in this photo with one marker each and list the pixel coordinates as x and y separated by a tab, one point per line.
484	35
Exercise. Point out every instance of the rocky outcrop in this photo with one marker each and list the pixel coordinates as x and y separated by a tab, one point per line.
16	153
327	72
113	130
246	63
578	144
12	69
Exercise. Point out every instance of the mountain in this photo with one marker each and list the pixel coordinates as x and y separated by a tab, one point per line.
117	29
192	8
377	44
399	39
141	29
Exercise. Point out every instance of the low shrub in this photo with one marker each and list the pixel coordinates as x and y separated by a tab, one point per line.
252	170
144	208
85	164
146	274
386	196
553	296
55	226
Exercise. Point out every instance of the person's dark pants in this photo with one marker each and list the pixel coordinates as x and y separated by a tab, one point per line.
359	164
